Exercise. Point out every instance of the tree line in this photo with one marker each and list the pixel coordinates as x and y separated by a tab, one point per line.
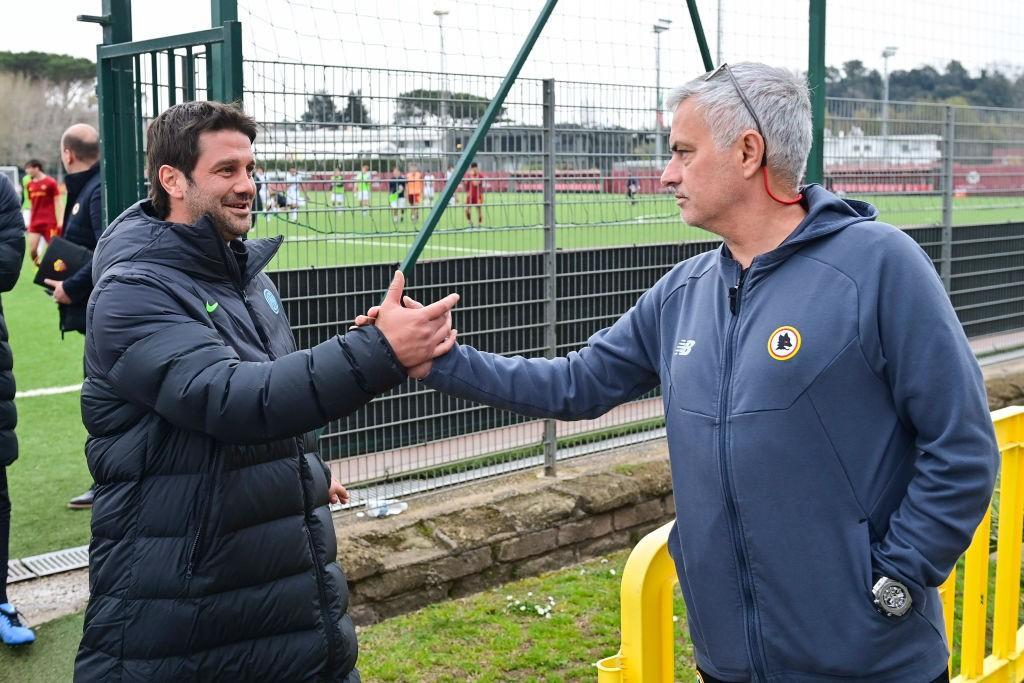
953	85
43	94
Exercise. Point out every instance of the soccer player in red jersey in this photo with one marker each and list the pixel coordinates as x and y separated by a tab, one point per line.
42	192
474	194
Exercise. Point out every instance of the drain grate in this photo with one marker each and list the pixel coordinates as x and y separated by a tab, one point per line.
16	571
57	562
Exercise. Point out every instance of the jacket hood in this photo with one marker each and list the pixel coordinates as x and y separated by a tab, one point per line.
137	235
826	214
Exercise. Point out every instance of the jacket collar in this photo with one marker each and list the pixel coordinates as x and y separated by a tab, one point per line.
827	214
198	250
76	181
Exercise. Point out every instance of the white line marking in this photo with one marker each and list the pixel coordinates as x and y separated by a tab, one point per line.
382	243
49	391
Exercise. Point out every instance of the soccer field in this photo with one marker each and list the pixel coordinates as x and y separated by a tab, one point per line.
323	235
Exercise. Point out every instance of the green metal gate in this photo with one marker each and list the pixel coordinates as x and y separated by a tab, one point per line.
137	80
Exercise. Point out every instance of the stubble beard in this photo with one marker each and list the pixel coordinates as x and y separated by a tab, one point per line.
228	226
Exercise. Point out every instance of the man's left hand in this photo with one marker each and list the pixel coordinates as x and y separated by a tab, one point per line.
337	492
58	291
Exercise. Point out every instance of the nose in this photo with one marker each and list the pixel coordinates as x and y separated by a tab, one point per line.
670	176
245	185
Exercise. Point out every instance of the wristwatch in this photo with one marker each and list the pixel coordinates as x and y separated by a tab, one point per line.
891	597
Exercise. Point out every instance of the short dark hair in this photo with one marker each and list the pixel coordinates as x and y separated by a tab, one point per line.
173	140
34	163
84	149
473	165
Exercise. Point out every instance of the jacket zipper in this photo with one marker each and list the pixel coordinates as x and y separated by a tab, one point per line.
749	611
190	564
328	626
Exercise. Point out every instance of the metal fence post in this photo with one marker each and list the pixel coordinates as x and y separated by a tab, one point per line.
550	264
816	81
114	97
946	266
226	58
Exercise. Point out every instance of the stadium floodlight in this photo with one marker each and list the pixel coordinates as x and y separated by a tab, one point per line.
660	26
441	11
886	53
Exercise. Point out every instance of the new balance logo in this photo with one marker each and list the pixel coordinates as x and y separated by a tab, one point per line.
684	347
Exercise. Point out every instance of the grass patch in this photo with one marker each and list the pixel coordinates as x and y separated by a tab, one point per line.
51	658
324	235
484	637
487	637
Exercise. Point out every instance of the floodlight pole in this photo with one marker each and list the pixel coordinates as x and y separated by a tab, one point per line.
440	14
660	27
469	151
886	53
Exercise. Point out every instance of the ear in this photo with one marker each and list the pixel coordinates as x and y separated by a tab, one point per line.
173	181
751	149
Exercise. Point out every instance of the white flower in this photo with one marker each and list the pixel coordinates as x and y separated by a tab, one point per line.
612	572
675	617
548	615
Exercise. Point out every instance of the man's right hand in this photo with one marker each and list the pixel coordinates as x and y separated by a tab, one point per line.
418	334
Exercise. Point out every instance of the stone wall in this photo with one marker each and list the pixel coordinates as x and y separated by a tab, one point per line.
1005	384
454	543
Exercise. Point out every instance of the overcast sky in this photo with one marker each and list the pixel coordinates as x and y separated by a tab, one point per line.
597	41
594	40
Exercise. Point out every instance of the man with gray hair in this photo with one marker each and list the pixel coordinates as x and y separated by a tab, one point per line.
829	437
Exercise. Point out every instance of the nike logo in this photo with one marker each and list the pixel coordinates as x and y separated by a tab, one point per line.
210	308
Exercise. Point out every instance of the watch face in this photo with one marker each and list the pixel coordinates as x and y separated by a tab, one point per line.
893	598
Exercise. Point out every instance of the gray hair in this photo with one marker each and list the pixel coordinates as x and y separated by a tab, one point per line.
781	100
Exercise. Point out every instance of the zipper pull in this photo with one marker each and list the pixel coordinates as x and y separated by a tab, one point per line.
188	572
734	293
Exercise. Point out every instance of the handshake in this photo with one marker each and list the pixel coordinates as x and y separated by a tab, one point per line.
417	334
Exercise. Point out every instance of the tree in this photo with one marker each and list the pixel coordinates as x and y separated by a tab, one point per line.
355	111
320	109
32	121
416	105
926	84
69	80
43	94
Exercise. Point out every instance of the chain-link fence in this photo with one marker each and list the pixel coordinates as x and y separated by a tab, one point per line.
547	248
364	110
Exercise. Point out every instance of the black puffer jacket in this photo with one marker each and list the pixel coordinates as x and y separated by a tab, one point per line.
12	253
213	550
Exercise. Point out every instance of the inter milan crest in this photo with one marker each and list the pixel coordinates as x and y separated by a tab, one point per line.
784	343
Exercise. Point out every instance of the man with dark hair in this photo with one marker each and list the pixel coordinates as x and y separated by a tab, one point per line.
396	194
42	192
12	252
213	548
83	225
474	194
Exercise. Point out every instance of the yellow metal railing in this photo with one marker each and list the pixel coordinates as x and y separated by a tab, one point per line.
649	578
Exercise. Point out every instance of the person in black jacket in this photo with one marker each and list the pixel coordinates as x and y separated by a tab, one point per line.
213	548
83	225
12	252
